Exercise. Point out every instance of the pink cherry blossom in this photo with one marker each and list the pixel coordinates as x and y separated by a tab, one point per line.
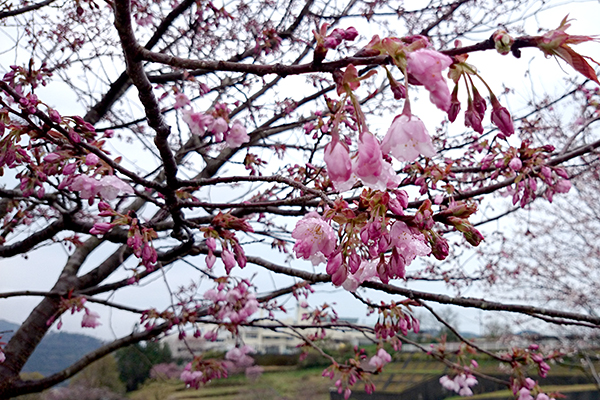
111	186
197	122
370	167
525	394
218	128
339	165
315	239
100	228
52	157
86	185
502	119
90	319
210	260
380	359
228	260
473	119
237	135
181	100
515	164
69	169
369	162
562	186
191	378
408	242
461	384
239	356
91	159
366	271
108	187
449	384
407	139
426	66
2	356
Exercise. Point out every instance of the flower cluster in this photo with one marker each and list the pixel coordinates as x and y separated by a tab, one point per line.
461	383
380	359
108	187
199	372
235	304
394	318
76	304
331	41
216	125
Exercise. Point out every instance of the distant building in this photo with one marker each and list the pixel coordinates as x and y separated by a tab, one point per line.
279	340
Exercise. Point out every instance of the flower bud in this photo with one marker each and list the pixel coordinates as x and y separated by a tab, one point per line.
502	119
515	164
454	105
502	41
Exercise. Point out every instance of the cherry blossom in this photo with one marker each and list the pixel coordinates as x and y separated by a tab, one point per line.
197	122
315	239
108	187
407	139
370	167
191	378
237	135
339	165
90	319
515	164
239	356
461	384
91	159
380	359
426	66
502	119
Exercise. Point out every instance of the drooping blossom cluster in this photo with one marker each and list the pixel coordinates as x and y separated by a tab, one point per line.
221	229
108	187
461	383
75	304
380	359
348	374
199	371
237	359
235	304
216	125
393	319
374	246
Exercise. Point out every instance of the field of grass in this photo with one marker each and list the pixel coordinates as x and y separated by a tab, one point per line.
291	383
274	384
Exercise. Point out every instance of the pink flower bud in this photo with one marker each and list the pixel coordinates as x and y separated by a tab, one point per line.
349	34
228	260
454	105
100	228
515	164
54	116
69	169
502	119
52	157
91	159
472	119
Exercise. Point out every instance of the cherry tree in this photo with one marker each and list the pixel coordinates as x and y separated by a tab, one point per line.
215	133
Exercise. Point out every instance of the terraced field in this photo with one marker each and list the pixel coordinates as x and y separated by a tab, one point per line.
406	374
